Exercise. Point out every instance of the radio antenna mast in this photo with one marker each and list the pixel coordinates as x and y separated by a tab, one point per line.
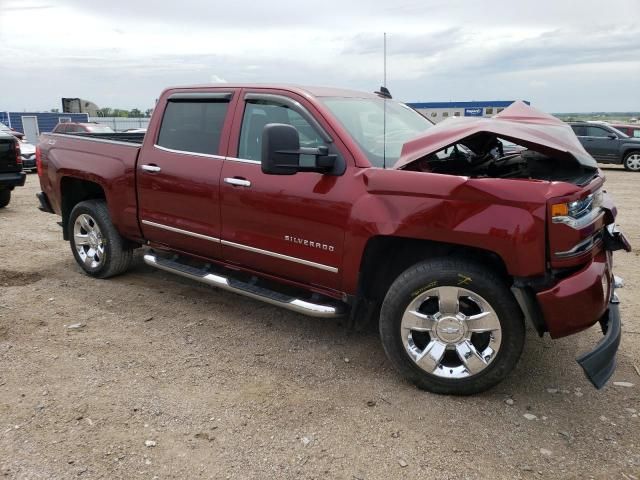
384	104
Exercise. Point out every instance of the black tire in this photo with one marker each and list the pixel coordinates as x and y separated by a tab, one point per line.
627	159
482	281
117	254
5	198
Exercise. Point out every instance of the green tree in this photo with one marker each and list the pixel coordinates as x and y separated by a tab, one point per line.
148	112
135	113
105	112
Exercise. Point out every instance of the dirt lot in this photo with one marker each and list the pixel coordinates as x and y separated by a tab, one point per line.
228	387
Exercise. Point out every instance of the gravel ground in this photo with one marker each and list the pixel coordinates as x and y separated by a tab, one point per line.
166	378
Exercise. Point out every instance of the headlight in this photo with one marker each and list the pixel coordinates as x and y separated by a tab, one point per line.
578	213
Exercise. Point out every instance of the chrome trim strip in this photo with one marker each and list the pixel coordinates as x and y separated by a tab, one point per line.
242	160
179	230
581	222
583	247
186	152
280	256
297	305
92	139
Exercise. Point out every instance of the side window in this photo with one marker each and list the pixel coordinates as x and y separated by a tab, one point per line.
488	111
61	128
193	125
636	133
597	132
579	130
259	113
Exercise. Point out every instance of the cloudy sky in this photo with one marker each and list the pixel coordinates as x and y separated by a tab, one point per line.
564	56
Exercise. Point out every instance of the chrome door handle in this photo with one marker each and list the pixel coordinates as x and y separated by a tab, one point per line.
151	168
238	182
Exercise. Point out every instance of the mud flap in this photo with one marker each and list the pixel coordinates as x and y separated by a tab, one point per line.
600	363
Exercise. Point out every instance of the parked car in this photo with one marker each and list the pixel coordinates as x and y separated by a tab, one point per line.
608	145
11	174
300	198
11	131
88	127
630	130
28	154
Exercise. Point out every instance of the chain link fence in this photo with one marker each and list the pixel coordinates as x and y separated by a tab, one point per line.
121	124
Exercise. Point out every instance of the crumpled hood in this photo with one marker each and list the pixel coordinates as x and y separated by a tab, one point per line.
519	123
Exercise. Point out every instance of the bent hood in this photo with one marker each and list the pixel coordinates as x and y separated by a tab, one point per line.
518	123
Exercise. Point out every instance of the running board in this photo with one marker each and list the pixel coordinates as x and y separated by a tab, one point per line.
328	309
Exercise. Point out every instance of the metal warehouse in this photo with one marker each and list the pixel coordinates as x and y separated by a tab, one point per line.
32	124
438	111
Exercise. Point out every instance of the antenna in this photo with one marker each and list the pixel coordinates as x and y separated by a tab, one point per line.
384	104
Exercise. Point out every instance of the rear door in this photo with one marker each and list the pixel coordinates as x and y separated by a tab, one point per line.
291	226
178	172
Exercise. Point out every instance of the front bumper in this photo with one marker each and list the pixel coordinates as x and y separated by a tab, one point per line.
600	363
13	179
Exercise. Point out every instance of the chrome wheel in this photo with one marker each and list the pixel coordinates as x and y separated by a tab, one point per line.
632	162
451	332
88	241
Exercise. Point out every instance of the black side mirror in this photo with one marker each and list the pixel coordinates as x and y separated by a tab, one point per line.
281	152
612	136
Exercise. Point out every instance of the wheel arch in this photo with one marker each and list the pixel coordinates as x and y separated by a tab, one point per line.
73	191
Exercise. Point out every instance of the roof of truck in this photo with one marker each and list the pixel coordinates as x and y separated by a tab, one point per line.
314	91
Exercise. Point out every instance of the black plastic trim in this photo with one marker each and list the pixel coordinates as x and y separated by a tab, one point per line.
600	363
186	96
45	206
13	179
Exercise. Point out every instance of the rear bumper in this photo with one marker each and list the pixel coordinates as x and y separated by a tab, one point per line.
13	179
600	363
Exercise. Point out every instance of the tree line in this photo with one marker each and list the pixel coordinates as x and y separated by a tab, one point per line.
118	112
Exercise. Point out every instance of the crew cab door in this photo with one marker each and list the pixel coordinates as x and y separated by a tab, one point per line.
288	226
178	172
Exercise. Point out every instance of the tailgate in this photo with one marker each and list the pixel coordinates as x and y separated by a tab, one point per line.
9	155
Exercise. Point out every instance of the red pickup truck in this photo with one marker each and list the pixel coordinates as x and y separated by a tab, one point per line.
332	202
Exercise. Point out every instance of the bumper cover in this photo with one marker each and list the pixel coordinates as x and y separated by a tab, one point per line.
13	179
600	363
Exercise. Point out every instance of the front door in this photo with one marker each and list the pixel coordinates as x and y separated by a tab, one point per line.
178	174
291	226
600	145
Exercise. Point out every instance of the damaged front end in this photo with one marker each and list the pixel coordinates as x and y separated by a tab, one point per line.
519	142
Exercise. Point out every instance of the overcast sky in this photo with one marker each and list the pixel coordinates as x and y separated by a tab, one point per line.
563	56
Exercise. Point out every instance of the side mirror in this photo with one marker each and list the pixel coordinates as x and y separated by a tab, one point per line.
612	136
281	152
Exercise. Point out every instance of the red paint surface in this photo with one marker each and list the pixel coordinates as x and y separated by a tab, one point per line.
507	217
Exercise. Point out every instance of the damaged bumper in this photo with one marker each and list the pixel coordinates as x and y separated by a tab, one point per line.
600	363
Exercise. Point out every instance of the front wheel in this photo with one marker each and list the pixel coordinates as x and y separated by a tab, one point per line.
96	244
632	162
451	326
5	198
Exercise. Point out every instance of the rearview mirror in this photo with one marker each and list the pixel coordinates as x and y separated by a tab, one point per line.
281	152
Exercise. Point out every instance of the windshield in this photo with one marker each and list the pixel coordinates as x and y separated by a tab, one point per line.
99	129
363	118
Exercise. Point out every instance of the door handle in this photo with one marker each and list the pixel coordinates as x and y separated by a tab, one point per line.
238	182
151	168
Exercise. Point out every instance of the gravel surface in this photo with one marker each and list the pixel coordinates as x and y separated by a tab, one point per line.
152	376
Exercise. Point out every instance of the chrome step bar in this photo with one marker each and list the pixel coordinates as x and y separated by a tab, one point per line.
330	309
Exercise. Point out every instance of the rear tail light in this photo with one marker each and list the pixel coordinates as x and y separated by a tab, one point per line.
18	156
39	161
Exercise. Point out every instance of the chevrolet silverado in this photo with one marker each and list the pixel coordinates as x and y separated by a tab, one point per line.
332	202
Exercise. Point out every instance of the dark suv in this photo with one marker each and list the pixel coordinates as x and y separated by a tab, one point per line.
608	145
11	174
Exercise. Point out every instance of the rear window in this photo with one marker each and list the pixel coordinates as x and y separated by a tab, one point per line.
193	126
99	129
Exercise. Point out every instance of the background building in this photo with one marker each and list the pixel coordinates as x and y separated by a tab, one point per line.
32	124
438	111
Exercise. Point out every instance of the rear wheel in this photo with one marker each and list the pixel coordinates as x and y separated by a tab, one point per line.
452	326
96	244
632	161
5	198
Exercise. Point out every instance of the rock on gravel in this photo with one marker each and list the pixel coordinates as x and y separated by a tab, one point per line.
530	416
623	384
150	443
